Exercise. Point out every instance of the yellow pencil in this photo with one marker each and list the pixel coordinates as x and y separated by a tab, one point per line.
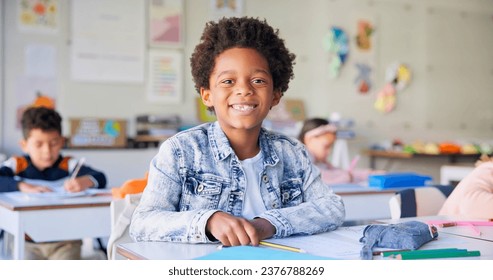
283	247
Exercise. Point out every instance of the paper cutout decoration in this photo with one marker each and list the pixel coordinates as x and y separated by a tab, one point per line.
336	43
385	102
362	81
399	75
363	37
397	78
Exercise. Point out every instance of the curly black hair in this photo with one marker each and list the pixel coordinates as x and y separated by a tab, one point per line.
242	32
40	117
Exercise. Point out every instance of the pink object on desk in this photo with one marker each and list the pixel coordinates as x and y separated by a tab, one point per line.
470	224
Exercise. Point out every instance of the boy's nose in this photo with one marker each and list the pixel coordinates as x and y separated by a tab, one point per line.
243	89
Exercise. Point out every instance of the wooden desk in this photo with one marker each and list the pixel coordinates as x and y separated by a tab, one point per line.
391	155
53	219
342	243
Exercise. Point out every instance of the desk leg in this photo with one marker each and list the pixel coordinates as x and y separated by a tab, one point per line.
19	241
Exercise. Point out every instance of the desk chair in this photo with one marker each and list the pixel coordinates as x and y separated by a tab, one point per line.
421	201
121	215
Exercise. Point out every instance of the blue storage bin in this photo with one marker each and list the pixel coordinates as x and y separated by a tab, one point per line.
398	180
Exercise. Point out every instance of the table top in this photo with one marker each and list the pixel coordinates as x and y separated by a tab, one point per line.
18	201
342	243
363	188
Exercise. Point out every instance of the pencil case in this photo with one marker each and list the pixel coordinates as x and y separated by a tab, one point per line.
397	180
406	236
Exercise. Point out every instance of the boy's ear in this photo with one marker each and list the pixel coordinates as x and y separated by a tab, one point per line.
23	145
205	94
277	98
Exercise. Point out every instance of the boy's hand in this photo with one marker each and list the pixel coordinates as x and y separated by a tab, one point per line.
28	188
264	228
78	184
231	230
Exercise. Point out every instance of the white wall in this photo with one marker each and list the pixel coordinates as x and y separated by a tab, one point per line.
2	103
446	43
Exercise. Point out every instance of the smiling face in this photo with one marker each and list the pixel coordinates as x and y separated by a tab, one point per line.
43	147
241	90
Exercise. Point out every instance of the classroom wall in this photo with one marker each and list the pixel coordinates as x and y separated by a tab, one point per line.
1	76
446	43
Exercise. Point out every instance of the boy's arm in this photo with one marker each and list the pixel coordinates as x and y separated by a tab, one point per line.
10	183
161	214
96	178
321	209
7	181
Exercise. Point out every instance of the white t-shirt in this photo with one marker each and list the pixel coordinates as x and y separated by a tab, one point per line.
253	204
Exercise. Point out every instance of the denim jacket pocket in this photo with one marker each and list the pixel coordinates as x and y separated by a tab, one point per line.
291	192
202	192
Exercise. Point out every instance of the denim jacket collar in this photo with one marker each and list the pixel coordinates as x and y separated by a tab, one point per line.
222	149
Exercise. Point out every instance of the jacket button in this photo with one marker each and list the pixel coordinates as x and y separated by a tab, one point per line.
285	196
265	179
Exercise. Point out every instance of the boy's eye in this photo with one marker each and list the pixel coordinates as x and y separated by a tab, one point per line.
228	82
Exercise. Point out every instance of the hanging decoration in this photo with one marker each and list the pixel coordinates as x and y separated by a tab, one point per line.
398	75
363	37
397	78
362	81
336	44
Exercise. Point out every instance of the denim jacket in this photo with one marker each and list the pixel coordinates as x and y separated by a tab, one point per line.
196	173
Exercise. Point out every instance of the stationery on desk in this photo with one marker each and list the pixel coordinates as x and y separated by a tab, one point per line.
282	247
472	225
431	254
353	163
77	168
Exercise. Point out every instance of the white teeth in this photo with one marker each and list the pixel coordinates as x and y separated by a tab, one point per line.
243	107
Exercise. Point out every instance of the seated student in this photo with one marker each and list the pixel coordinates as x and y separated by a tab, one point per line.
232	180
41	169
472	198
319	136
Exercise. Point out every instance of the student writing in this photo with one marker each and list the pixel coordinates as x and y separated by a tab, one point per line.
319	136
40	168
232	181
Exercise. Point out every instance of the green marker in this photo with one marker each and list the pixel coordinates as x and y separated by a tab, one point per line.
433	255
393	253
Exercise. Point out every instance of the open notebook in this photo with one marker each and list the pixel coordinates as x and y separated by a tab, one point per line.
57	187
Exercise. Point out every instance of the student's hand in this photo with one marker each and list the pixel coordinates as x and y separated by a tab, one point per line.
231	230
264	228
78	184
28	188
